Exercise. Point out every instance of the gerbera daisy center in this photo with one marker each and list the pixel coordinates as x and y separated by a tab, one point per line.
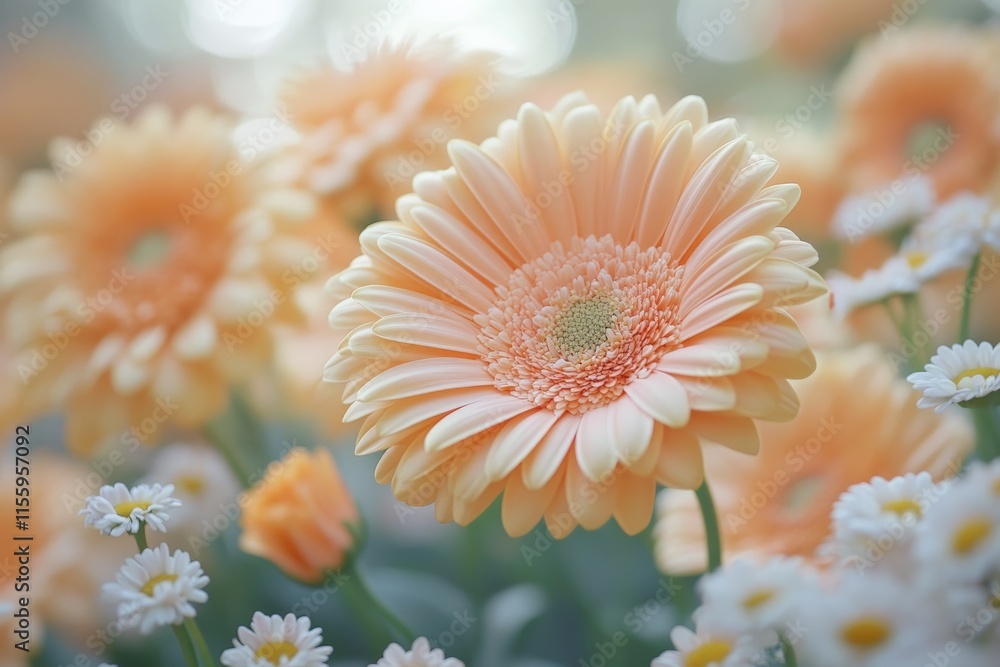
572	328
150	249
150	586
585	325
923	136
709	653
273	652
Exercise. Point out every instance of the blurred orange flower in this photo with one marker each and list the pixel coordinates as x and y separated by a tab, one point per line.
151	266
297	517
857	420
369	129
923	100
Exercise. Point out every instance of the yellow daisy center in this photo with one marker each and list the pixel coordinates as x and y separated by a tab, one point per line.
916	258
585	325
707	653
996	487
971	535
150	586
755	600
192	484
866	633
125	509
273	652
973	372
902	506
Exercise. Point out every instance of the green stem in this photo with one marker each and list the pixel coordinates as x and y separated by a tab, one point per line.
896	322
140	537
987	438
911	309
200	646
788	651
217	434
712	536
963	331
364	594
187	650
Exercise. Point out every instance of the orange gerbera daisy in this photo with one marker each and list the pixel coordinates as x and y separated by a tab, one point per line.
923	101
858	420
147	275
570	311
369	129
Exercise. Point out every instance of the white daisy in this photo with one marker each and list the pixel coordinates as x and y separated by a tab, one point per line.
959	540
117	510
966	219
928	260
156	588
985	476
202	481
273	640
708	646
893	278
883	210
957	375
874	522
420	655
748	597
872	620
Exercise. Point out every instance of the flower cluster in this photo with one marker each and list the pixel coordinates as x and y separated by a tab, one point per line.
914	572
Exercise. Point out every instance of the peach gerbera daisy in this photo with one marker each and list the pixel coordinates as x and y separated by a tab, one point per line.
923	101
857	420
576	305
369	128
147	276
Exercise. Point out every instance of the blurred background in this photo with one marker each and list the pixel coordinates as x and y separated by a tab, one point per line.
488	599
